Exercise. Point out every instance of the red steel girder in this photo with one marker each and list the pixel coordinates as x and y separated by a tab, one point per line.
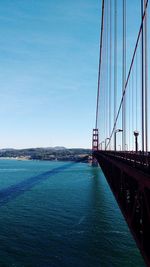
131	188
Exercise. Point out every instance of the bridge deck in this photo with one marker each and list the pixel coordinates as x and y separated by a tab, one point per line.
128	175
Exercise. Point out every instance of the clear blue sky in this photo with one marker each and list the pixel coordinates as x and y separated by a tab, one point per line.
49	52
48	72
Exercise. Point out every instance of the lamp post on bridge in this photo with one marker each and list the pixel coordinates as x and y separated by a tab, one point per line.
101	145
117	131
106	141
126	147
136	134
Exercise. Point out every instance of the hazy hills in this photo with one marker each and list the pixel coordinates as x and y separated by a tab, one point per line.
48	153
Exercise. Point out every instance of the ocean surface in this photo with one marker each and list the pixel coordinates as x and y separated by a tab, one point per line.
61	214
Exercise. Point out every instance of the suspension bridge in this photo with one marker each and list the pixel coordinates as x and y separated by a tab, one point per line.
120	138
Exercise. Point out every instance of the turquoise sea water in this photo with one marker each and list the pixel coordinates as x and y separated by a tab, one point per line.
57	214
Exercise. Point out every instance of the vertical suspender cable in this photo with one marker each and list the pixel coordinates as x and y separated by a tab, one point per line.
129	114
128	106
124	76
110	64
100	62
115	62
142	74
132	116
146	78
123	73
129	72
107	68
136	89
103	71
104	55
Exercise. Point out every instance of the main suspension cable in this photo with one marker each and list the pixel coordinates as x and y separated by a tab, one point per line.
100	62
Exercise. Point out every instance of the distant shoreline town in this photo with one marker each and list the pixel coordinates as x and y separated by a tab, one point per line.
50	154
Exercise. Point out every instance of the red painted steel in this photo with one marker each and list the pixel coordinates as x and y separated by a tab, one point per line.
95	140
129	178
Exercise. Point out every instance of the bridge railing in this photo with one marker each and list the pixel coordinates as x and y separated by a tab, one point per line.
138	160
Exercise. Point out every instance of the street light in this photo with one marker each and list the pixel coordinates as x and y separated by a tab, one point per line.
126	146
136	134
117	131
101	143
106	141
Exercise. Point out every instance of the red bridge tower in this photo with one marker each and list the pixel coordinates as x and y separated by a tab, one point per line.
95	141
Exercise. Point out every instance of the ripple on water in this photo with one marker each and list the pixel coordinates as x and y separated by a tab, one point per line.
61	215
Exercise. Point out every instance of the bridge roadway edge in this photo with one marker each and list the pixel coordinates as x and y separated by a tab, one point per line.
131	188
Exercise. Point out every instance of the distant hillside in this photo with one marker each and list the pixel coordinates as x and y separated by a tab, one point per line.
49	153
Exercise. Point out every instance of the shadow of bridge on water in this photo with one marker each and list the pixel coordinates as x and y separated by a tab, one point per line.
13	191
